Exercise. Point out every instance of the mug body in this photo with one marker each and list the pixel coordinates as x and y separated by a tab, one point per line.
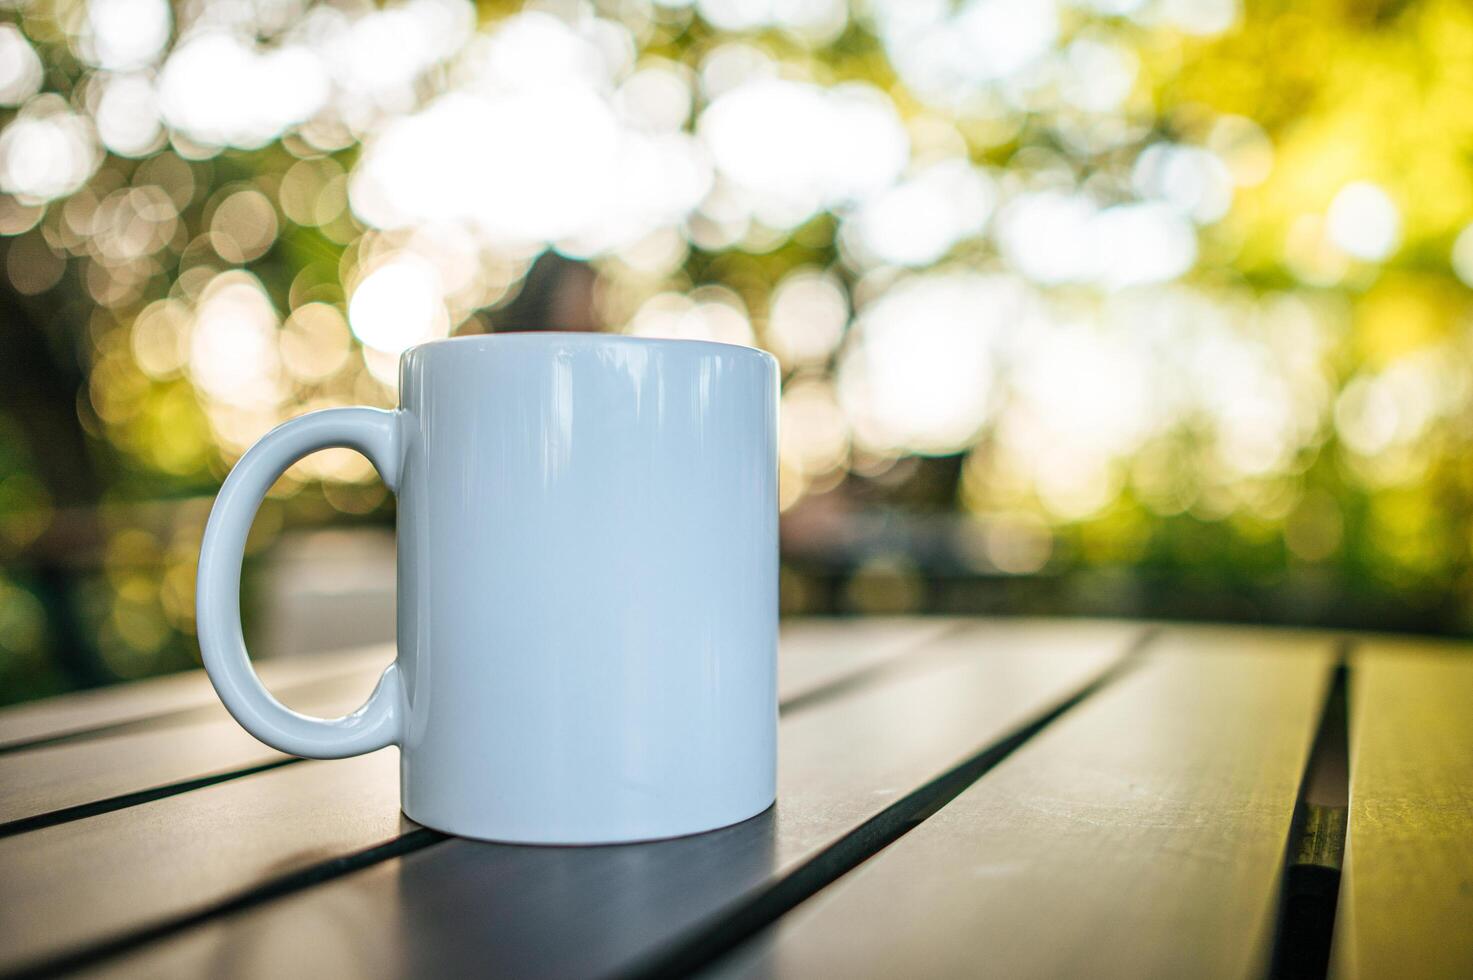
587	533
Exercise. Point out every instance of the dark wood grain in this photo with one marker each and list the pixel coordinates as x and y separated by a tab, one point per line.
1143	834
462	906
188	693
1406	892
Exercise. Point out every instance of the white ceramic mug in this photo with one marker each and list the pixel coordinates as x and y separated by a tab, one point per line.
587	531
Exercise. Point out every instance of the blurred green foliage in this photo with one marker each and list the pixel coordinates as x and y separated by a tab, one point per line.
1158	306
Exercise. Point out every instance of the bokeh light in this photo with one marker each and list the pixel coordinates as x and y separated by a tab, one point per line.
1099	288
792	148
1364	222
47	151
20	67
398	305
919	375
120	35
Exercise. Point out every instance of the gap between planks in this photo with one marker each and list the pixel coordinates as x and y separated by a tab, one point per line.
122	801
1305	927
921	648
414	840
299	677
751	914
695	952
1130	837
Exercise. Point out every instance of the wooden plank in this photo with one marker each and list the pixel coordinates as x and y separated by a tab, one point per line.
72	774
1406	891
66	775
82	881
817	651
520	910
188	692
1141	835
830	647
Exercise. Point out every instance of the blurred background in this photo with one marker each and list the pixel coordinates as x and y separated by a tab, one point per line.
1123	307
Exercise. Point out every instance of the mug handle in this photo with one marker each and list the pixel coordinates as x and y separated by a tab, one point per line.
379	722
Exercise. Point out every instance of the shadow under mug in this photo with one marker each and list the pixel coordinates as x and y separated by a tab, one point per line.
587	586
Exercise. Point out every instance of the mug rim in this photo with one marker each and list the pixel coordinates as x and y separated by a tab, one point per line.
580	337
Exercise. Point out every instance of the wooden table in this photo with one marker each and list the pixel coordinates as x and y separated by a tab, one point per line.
957	798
